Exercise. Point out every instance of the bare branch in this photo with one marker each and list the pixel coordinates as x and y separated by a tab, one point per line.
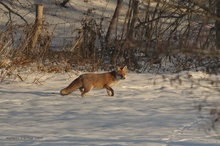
10	10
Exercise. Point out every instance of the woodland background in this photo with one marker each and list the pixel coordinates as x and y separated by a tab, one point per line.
148	35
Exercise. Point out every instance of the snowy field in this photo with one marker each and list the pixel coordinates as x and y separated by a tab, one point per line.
146	110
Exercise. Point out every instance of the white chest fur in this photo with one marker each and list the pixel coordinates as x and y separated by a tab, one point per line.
114	83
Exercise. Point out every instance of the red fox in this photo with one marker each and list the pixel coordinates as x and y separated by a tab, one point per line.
86	82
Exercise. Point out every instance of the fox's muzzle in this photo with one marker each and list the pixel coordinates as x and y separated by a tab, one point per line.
122	77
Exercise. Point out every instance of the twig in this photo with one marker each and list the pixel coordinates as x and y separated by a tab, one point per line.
9	9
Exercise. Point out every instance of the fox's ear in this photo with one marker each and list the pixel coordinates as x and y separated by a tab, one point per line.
117	68
125	67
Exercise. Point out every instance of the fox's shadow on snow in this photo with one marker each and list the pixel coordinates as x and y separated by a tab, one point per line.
38	93
46	93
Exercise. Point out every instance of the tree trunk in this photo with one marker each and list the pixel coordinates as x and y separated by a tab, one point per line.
37	26
113	21
133	17
217	24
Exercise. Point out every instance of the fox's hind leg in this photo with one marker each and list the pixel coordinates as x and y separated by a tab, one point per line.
109	90
81	89
85	90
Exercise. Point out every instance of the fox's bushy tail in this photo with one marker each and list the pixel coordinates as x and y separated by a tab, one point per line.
76	84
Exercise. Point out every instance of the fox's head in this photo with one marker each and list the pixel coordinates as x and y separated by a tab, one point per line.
121	73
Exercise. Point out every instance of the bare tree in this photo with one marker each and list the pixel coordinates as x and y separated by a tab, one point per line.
11	11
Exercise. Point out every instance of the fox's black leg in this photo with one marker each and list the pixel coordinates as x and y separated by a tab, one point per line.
81	89
109	89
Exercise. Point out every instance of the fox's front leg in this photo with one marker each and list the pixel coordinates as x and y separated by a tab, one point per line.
109	90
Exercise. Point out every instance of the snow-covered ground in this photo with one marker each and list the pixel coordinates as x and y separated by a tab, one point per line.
146	110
